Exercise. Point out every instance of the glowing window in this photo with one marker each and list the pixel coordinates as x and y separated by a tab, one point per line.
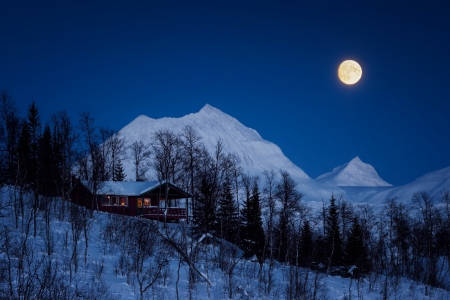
123	201
139	202
146	201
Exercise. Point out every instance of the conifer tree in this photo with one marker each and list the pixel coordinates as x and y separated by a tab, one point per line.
119	172
34	129
356	249
46	162
306	245
333	238
227	213
204	210
253	237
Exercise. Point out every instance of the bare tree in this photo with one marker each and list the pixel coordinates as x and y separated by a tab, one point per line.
191	148
168	158
92	160
9	135
149	256
116	143
140	155
289	198
270	216
66	139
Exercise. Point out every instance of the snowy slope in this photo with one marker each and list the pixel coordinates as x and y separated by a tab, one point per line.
256	154
353	173
433	183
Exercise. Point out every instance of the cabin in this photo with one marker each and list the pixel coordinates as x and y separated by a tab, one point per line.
153	200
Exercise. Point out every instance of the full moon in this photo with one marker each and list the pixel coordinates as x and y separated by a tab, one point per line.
349	72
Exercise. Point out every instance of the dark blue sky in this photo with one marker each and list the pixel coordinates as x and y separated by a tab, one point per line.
270	64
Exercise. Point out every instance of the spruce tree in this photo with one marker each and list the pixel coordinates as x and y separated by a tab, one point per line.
227	214
119	172
306	245
356	250
34	130
57	168
204	210
45	165
333	238
253	237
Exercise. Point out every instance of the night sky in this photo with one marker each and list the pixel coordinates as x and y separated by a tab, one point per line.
270	64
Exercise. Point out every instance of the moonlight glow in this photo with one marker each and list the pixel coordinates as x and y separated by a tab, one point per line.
349	72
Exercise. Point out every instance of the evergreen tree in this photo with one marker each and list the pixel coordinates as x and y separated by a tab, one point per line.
204	210
58	157
227	213
119	172
34	129
356	250
306	245
333	238
45	166
253	237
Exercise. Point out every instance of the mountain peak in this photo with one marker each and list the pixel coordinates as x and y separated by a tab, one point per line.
255	154
208	109
353	173
355	160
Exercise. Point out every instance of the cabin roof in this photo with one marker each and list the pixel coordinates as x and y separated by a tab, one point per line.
127	188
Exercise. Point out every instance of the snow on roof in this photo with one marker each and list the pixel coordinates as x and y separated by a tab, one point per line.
124	188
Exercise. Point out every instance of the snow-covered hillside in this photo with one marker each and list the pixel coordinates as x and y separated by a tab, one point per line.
256	153
353	173
97	258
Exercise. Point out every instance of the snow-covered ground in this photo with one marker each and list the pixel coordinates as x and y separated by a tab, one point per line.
102	265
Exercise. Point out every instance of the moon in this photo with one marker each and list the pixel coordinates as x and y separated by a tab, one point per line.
349	72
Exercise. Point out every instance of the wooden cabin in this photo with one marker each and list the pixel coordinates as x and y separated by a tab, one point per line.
146	199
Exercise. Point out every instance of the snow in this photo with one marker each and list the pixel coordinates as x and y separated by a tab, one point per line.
124	188
103	260
433	183
356	181
256	154
353	173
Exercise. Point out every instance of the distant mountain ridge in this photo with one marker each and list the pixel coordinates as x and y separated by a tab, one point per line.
356	181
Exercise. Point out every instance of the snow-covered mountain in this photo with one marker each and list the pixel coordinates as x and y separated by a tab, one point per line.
353	173
433	183
256	154
355	180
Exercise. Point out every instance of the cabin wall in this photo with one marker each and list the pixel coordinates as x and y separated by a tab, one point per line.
80	195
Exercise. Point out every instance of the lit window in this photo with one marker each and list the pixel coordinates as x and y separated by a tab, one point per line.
146	201
139	203
106	200
123	201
